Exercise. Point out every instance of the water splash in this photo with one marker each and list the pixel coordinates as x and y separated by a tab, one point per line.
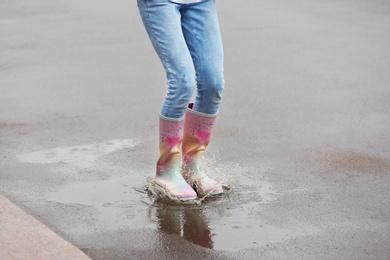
208	166
162	194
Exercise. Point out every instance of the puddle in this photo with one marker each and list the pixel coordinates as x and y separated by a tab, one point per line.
228	222
82	156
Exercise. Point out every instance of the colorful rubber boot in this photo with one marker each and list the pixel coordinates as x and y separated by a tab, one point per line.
168	173
197	132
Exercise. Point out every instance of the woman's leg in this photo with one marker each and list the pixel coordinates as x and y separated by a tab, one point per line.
162	20
202	34
201	31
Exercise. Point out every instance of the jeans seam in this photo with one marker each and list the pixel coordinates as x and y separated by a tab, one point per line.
158	41
199	54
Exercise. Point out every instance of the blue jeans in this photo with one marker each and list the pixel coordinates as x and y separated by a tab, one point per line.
187	40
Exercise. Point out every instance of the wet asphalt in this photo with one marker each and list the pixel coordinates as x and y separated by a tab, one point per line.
303	133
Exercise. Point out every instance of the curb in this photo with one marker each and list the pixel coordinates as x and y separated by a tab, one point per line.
24	237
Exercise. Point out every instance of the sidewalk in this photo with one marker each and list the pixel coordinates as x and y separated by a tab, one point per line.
24	237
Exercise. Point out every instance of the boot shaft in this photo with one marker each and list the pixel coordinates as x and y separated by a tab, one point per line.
170	139
168	175
197	133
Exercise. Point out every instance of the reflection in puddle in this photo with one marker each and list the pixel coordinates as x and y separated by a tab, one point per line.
230	232
187	222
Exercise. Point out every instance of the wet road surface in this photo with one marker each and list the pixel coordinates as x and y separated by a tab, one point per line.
303	134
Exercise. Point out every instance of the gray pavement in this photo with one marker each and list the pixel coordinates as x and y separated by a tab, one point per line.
302	135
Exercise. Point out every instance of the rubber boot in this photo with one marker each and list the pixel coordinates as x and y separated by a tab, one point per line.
197	133
168	173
